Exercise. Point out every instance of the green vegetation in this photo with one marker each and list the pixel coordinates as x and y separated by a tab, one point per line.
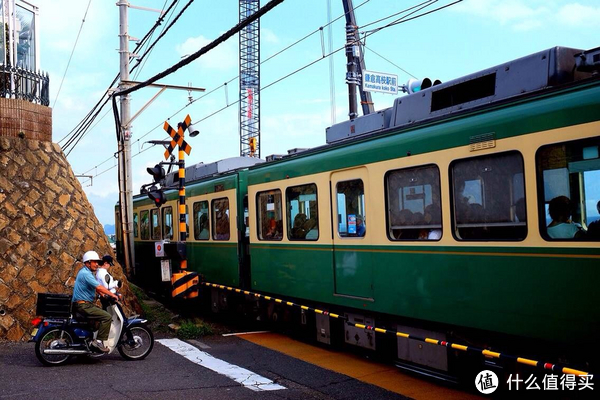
158	316
194	329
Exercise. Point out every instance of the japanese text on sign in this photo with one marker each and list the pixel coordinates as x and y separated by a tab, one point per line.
379	82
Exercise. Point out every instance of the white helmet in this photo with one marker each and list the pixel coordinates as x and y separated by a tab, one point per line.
91	256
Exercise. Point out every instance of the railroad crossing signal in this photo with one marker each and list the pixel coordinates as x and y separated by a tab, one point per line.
158	173
158	197
177	136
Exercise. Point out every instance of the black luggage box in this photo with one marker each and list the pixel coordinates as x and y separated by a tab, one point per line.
53	305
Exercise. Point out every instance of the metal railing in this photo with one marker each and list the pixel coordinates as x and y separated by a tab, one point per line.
23	84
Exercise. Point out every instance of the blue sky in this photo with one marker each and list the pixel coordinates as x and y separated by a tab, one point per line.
458	40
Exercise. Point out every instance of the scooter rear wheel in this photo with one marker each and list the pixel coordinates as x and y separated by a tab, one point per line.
54	339
136	343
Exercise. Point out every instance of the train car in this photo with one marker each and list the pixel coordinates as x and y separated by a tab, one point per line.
468	213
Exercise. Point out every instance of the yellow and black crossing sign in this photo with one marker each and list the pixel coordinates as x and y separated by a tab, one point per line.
177	137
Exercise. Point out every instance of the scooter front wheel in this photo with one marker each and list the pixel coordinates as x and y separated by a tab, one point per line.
54	339
137	342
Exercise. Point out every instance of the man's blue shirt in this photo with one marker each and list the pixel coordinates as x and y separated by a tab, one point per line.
85	285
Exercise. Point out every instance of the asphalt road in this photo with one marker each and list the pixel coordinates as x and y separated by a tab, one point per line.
165	374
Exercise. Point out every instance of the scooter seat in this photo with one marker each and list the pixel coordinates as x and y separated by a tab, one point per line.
80	320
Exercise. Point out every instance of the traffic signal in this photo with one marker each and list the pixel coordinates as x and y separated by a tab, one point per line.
158	197
252	143
157	172
416	85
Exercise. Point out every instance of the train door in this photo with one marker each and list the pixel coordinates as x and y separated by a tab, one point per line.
353	270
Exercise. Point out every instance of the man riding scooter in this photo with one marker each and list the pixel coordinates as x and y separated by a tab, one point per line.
84	294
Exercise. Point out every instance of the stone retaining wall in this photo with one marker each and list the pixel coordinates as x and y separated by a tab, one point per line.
46	223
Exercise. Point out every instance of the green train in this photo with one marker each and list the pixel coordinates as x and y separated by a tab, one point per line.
467	212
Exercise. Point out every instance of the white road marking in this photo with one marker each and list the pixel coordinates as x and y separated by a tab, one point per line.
241	375
243	333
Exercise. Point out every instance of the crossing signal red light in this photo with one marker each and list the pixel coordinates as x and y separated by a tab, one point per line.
158	197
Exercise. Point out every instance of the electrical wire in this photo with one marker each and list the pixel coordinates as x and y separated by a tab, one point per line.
238	27
368	33
146	50
236	77
80	129
71	56
425	3
405	19
395	65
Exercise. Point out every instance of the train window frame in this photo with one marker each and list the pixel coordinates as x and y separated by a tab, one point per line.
145	227
351	220
302	223
196	209
574	161
155	229
269	228
485	222
221	217
431	230
165	212
135	225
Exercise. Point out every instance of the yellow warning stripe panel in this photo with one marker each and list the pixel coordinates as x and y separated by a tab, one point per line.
520	360
527	361
573	371
490	353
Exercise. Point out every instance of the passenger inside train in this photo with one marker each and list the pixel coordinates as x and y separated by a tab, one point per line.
562	227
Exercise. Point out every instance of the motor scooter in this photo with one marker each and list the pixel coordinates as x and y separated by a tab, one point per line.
60	335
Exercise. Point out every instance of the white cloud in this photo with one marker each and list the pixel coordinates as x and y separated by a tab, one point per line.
267	35
62	34
579	16
521	15
224	56
527	25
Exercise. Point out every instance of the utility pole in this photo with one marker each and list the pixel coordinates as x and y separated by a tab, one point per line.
125	175
355	65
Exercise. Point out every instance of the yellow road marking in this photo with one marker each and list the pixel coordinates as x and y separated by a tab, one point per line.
385	376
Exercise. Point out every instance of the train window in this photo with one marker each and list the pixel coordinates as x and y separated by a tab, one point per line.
302	212
135	225
414	207
246	218
351	208
201	220
167	223
270	217
144	226
220	219
489	197
568	175
155	220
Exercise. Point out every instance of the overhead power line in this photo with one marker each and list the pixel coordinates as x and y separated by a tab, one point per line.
82	127
263	10
369	33
71	56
